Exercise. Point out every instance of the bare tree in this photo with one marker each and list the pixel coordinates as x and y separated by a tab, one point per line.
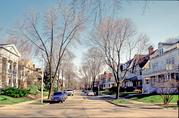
67	68
94	61
23	46
111	37
142	43
70	75
167	90
60	27
85	75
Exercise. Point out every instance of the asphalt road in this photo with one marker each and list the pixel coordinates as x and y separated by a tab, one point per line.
79	106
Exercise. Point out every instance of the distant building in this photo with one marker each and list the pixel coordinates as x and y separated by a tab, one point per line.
162	71
9	57
106	80
28	74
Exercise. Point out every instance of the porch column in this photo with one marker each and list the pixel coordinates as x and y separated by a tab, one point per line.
16	74
12	74
8	74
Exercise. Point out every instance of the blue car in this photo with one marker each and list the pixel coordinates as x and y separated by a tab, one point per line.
58	97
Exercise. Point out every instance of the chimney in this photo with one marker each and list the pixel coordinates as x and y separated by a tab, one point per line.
150	50
33	65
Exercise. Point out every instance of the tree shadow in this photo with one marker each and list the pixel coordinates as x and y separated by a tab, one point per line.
46	101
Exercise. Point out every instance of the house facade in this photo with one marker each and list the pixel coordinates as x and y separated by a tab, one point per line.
16	72
106	80
133	72
162	70
9	57
28	74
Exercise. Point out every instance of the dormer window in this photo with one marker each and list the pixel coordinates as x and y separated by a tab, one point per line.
161	51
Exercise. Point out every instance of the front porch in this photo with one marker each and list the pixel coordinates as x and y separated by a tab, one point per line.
155	84
9	57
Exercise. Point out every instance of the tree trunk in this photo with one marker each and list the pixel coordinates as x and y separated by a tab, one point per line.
93	83
51	89
118	89
51	84
62	81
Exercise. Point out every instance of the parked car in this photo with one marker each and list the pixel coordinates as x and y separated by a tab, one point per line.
69	92
65	95
90	93
58	97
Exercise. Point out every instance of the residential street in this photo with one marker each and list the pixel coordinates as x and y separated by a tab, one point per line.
84	106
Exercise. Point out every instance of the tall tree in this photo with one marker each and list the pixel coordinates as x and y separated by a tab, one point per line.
94	61
111	36
85	75
142	43
60	26
23	46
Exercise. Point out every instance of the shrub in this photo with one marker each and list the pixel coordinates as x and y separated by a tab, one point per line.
15	92
33	89
113	90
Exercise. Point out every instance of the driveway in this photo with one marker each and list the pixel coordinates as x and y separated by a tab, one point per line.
79	106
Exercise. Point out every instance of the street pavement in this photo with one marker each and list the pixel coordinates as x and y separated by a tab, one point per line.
80	106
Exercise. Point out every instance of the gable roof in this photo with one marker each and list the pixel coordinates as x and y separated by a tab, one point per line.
11	48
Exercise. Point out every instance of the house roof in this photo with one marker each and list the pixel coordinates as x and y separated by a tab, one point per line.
169	43
138	59
11	48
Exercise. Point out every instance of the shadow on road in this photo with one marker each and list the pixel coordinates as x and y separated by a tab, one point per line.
46	101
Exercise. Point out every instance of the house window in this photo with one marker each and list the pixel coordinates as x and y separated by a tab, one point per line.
140	72
177	76
170	60
155	65
172	76
161	51
147	81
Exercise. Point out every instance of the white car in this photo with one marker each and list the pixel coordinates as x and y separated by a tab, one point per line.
69	92
90	93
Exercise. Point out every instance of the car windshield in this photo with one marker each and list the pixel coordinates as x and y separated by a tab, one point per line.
57	93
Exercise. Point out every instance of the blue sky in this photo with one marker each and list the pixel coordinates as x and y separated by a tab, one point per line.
159	21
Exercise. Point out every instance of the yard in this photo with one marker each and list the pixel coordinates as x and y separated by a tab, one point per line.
153	99
10	100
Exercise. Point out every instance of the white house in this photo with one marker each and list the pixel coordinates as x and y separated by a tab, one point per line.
133	72
162	69
9	57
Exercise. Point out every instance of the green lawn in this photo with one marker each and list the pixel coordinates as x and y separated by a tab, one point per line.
154	99
120	101
10	100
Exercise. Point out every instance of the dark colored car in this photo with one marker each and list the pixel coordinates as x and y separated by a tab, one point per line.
58	97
